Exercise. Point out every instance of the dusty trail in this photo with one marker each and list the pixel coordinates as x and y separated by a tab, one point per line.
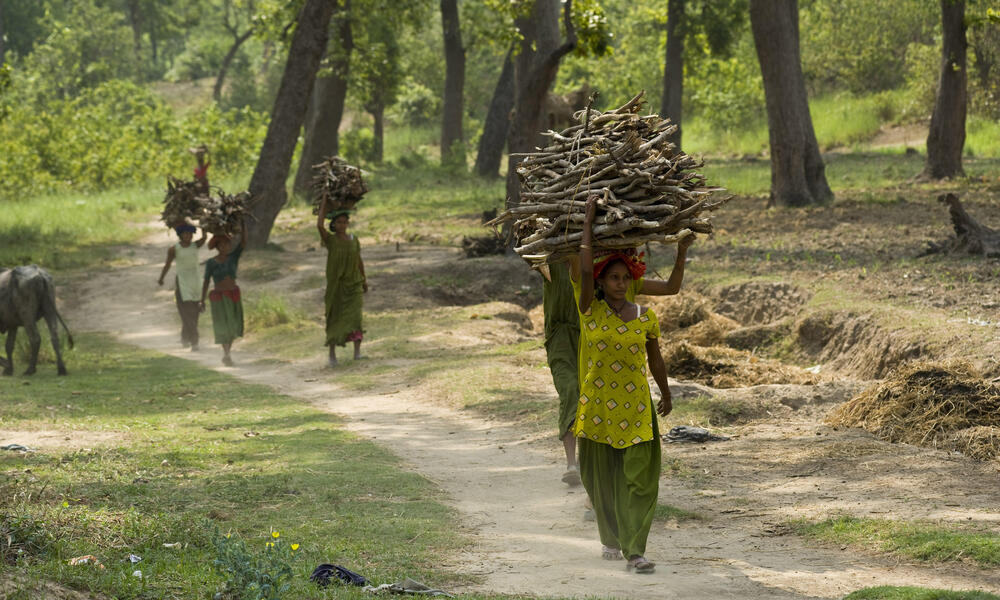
527	531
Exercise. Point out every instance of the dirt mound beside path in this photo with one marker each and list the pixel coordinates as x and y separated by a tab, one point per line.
950	407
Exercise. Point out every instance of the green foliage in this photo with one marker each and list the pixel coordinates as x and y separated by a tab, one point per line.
116	134
4	86
916	593
268	310
358	146
260	573
730	91
418	105
86	46
920	541
860	44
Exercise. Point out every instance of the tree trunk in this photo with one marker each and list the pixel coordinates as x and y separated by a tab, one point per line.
3	33
797	172
946	137
673	68
497	123
226	61
535	69
971	236
326	108
378	131
267	185
452	138
134	13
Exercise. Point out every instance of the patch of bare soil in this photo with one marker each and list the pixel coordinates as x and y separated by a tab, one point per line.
527	533
58	439
17	586
911	135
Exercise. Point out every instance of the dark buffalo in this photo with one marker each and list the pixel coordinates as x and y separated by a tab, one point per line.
27	294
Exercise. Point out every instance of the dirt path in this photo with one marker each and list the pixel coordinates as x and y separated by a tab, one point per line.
527	531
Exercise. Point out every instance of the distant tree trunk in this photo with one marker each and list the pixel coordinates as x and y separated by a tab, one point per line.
535	69
797	172
377	111
326	108
3	47
497	123
673	68
452	138
227	61
946	137
267	185
134	14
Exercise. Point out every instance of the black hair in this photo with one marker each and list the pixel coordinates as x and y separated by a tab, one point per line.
334	220
598	290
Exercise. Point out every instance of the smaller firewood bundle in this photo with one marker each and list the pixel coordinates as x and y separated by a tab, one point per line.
183	202
647	188
223	214
337	182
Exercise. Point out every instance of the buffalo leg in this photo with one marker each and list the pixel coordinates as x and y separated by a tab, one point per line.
35	341
8	367
50	320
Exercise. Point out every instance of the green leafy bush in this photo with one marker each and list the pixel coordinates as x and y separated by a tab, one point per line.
418	105
357	146
262	572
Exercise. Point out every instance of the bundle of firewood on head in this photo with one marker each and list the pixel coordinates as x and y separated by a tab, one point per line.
224	213
647	188
338	183
183	203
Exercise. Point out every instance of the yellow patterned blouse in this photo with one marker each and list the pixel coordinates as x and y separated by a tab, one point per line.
615	405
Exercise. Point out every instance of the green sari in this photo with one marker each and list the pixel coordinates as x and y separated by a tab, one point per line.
344	289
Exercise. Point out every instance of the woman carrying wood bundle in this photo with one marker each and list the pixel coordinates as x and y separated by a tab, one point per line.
345	282
566	359
619	438
227	307
185	252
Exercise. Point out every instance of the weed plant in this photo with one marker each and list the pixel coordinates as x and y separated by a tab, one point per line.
261	572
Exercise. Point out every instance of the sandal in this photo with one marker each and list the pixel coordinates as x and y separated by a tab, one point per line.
640	564
572	476
609	553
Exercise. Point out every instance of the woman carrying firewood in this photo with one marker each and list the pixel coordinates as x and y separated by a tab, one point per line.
227	307
345	282
619	441
185	252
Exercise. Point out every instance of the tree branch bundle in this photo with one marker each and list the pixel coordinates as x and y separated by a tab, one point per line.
186	202
648	189
337	182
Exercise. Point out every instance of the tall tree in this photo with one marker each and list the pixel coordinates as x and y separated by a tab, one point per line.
798	175
535	69
452	138
494	137
231	22
946	137
267	185
673	68
3	36
326	108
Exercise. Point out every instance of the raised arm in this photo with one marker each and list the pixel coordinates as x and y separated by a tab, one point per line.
243	234
586	266
321	222
659	372
658	287
166	267
201	241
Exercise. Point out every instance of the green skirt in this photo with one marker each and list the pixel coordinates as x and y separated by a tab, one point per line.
561	350
227	319
343	313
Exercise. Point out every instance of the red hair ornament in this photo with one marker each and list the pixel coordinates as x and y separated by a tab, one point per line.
633	262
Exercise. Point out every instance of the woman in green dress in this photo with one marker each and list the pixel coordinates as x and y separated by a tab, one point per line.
345	282
619	441
227	305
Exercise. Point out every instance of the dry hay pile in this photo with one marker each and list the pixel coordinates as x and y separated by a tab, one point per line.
689	317
183	202
721	367
338	183
224	213
950	407
648	189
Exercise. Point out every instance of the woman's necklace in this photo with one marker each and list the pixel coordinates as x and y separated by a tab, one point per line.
618	309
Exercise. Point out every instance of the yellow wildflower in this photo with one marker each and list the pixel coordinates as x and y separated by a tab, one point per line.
275	534
295	546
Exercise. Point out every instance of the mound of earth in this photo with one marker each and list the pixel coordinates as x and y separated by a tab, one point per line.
855	345
721	367
941	406
760	302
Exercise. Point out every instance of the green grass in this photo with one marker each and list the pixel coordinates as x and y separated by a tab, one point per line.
665	512
982	138
915	593
192	446
921	541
